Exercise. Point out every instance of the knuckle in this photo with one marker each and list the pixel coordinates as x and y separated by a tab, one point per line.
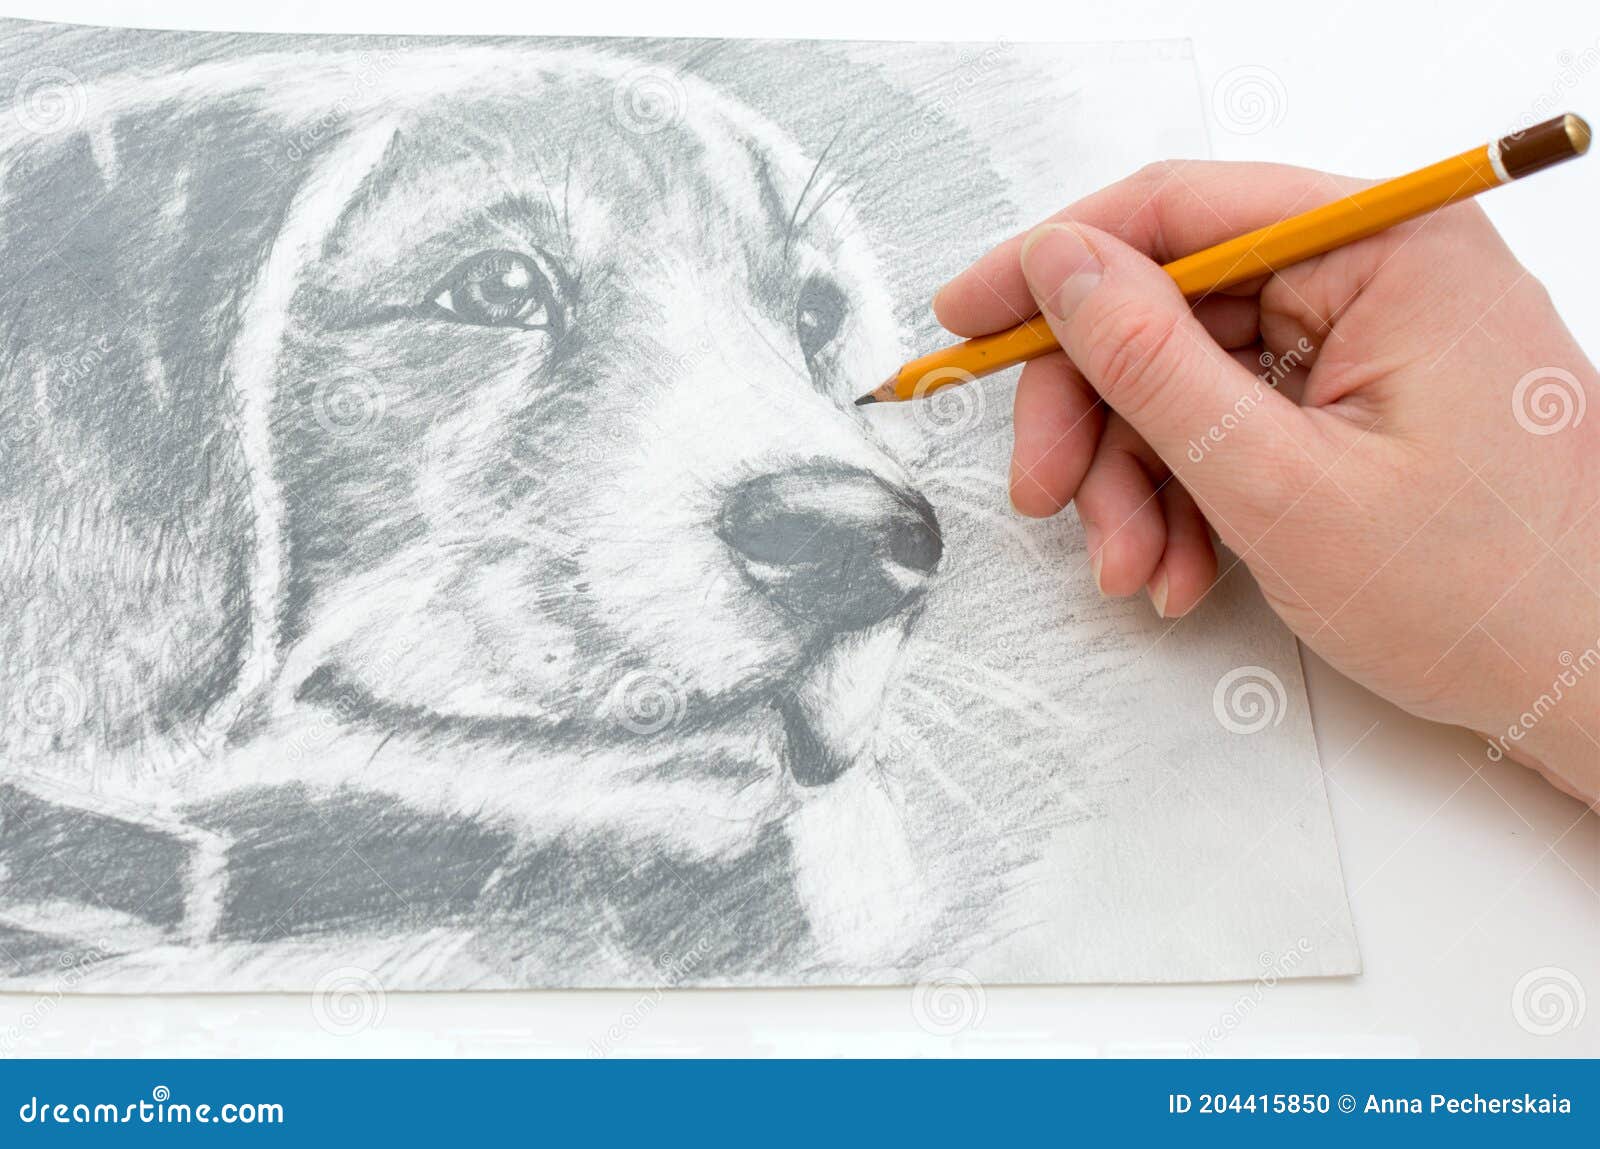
1157	172
1166	179
1132	355
1538	295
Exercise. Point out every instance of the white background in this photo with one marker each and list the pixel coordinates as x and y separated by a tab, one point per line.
1464	878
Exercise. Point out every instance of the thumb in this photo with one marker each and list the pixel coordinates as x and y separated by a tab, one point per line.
1127	328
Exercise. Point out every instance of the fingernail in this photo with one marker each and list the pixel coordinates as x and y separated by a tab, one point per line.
1060	268
1091	539
1158	593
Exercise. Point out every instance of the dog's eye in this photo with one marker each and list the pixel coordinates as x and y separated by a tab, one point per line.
818	315
496	289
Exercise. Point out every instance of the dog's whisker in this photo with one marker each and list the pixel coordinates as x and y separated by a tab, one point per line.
925	760
985	511
566	188
822	201
1041	708
1050	780
951	473
791	232
974	700
972	488
544	186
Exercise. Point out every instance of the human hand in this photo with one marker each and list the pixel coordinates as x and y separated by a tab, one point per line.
1389	436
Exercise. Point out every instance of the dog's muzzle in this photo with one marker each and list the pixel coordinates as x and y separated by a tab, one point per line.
833	546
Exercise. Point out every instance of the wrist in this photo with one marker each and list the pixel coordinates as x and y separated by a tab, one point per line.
1557	731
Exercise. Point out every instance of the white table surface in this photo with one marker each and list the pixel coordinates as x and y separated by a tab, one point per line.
1463	881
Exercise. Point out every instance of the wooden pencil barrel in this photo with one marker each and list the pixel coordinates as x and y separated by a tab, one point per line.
1335	224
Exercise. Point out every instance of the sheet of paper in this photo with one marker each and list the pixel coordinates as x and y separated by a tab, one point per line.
440	550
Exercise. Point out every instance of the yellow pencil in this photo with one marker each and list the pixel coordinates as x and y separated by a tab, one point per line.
1267	249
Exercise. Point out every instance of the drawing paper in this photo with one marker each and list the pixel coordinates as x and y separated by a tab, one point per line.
438	540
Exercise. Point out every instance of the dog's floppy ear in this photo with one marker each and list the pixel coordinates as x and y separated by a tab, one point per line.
129	244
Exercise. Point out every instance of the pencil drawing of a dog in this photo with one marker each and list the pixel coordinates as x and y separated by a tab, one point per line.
450	476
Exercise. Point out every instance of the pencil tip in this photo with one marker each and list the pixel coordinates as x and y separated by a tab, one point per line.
882	393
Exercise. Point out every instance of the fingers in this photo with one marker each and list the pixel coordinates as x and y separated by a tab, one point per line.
1058	420
1165	211
1123	525
1188	565
1122	322
1142	529
1165	369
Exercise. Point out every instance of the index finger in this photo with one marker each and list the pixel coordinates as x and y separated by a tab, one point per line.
1166	210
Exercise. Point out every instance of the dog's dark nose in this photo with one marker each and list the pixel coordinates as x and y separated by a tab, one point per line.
832	545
